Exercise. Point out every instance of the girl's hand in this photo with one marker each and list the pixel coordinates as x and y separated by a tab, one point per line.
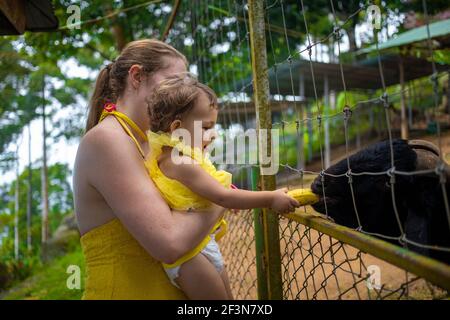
283	203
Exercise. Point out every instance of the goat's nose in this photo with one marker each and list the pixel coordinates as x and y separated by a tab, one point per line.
316	186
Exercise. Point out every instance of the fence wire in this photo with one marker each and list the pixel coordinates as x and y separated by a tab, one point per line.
314	265
318	266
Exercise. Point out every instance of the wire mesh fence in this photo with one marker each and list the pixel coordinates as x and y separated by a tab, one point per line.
315	262
239	251
318	266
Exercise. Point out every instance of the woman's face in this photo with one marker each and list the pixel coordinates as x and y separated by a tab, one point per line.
176	66
147	86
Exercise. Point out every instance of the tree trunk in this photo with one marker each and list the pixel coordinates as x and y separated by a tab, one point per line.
316	53
195	37
326	123
410	111
16	209
329	52
358	133
310	132
30	192
129	31
448	95
117	30
300	131
300	141
352	38
404	119
44	177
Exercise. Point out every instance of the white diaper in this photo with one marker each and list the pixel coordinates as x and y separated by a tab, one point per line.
210	251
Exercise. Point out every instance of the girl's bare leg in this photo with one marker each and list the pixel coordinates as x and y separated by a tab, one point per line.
226	282
199	280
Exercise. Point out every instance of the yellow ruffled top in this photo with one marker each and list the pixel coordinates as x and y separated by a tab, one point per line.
176	194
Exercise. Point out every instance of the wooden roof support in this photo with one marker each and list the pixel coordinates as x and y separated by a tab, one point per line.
14	11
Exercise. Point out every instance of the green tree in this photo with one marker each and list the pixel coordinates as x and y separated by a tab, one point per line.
60	204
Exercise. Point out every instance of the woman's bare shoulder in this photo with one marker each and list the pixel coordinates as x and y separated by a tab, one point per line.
105	152
106	140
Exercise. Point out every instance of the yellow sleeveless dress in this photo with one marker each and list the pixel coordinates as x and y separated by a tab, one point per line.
177	195
117	266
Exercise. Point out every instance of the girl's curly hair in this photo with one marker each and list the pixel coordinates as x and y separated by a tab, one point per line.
173	97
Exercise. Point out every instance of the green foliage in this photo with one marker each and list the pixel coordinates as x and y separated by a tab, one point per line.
27	65
14	271
60	204
442	56
48	281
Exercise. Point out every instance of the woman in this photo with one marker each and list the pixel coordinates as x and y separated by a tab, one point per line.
126	228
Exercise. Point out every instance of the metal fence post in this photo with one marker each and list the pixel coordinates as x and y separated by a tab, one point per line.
259	241
267	222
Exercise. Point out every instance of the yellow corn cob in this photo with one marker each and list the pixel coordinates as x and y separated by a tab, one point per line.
304	196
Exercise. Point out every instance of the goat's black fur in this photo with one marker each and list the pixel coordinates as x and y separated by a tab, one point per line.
419	198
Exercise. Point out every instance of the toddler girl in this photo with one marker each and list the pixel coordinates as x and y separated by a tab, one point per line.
187	179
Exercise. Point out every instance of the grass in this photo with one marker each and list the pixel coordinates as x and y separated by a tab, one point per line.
49	281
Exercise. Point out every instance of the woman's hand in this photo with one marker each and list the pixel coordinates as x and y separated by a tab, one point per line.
281	202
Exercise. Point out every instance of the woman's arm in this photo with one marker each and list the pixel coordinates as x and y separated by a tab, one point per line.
116	170
209	188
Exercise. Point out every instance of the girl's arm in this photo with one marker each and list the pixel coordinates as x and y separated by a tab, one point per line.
200	182
117	171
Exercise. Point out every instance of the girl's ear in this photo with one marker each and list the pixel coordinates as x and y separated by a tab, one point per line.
175	125
135	75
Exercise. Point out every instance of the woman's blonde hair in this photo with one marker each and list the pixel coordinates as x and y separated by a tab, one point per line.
173	97
151	54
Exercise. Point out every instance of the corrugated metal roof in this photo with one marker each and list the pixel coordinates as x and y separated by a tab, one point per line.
363	75
437	29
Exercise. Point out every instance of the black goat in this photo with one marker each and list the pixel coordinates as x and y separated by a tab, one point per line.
419	198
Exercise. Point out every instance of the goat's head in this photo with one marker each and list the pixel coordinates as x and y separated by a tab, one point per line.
372	193
418	198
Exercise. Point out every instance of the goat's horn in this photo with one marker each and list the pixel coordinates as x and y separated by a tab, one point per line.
426	160
424	145
427	155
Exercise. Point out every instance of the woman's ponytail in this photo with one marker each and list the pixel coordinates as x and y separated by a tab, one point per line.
102	94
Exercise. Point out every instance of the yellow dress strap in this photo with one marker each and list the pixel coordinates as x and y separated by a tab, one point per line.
223	228
124	120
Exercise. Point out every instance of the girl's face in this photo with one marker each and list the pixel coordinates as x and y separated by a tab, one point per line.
200	122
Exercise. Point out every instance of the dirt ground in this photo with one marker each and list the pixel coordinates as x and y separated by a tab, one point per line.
316	266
